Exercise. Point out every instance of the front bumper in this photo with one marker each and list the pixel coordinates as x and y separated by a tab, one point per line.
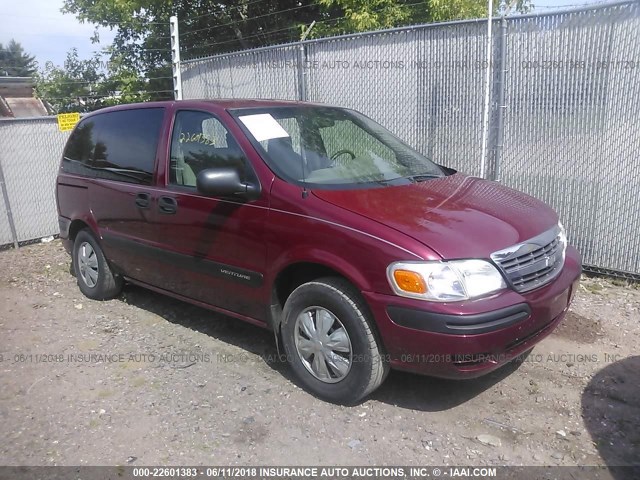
472	338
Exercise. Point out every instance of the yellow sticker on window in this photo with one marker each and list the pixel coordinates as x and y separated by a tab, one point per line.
186	137
66	121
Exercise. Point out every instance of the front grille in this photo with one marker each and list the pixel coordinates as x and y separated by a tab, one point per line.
533	263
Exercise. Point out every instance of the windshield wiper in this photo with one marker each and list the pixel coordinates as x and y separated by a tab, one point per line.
387	182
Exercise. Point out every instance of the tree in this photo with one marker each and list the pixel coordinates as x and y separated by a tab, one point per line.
141	45
14	62
84	86
208	27
214	26
366	15
72	88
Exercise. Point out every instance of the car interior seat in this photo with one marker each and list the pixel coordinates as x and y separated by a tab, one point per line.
282	153
184	174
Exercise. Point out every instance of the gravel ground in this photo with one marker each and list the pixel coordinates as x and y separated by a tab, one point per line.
145	380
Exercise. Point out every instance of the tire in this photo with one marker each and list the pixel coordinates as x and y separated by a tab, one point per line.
325	319
95	278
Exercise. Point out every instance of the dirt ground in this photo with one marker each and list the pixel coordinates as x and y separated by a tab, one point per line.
146	380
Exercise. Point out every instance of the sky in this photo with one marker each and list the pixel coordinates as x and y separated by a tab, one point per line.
43	31
47	34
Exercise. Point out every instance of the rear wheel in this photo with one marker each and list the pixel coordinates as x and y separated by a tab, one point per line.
95	277
330	343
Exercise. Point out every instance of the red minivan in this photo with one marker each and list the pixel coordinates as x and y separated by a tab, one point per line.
316	222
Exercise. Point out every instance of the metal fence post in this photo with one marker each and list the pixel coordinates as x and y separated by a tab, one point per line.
175	57
302	75
501	99
5	196
487	94
302	62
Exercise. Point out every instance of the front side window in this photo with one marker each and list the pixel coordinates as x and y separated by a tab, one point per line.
119	145
200	141
327	147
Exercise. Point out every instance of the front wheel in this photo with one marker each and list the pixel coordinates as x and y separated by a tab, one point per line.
330	343
95	277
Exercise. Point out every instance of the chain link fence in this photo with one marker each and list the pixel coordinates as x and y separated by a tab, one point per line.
423	83
572	129
565	96
252	74
30	151
564	124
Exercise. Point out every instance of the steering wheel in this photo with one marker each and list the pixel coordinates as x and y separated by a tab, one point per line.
344	151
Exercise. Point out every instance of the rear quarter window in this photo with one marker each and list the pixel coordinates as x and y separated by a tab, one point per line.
118	145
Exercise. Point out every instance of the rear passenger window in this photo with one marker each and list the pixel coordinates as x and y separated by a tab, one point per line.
200	141
117	145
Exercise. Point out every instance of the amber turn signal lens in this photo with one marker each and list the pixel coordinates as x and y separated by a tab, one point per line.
409	281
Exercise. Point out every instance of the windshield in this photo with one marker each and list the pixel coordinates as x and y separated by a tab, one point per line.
326	147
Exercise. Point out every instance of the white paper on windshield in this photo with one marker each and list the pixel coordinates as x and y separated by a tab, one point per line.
263	126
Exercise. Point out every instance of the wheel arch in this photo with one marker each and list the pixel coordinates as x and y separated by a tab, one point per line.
76	226
296	273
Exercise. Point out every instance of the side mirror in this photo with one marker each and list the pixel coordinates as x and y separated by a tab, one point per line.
225	182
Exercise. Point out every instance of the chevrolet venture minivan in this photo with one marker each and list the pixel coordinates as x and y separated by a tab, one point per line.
316	222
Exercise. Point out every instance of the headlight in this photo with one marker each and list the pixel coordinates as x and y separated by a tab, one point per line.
445	281
562	236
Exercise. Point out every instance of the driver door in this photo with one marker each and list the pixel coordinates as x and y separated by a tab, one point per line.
213	248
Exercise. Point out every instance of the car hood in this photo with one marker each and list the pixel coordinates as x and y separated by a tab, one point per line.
457	216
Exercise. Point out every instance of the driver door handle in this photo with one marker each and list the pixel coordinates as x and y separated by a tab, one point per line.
142	200
167	205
